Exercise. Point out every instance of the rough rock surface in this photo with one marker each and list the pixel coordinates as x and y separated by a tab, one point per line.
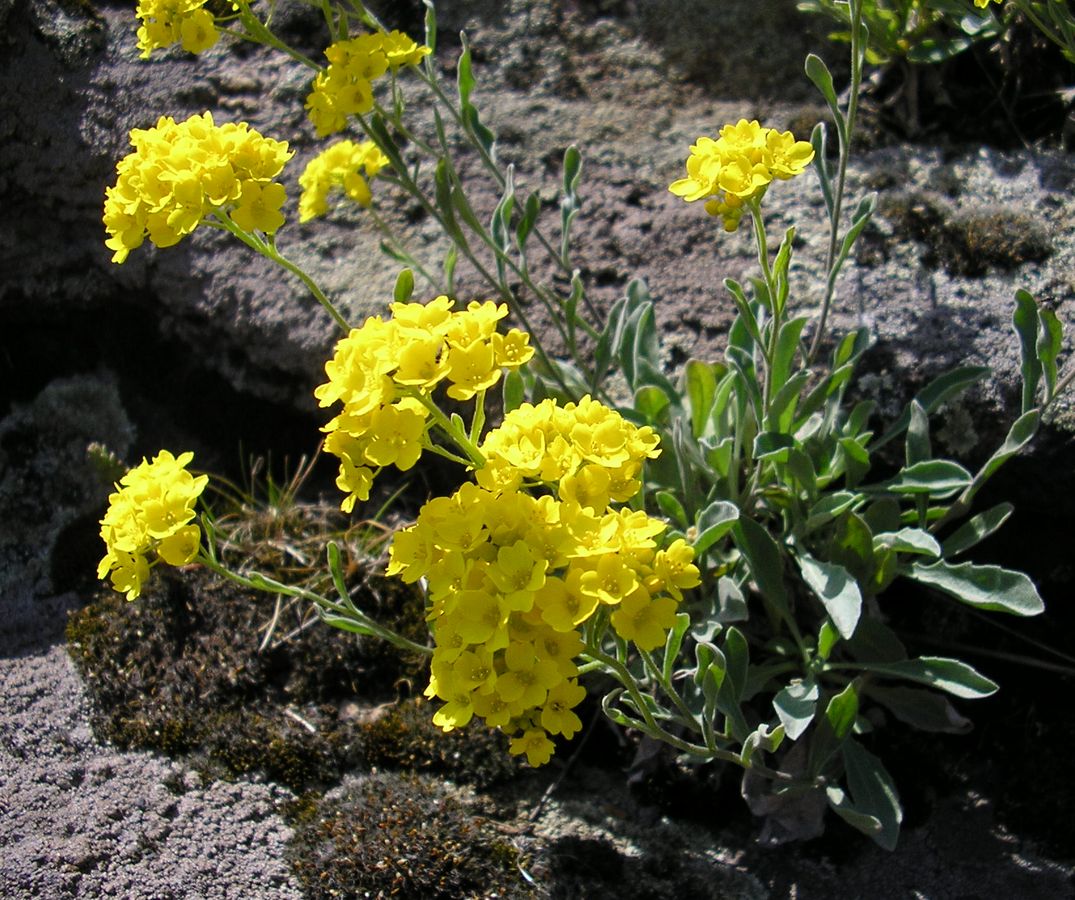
78	818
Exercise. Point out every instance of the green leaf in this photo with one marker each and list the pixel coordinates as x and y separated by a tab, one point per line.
650	402
918	447
975	530
819	74
673	643
731	604
908	540
924	710
672	508
514	390
766	562
859	220
819	141
783	405
1025	320
700	388
526	222
937	392
983	587
841	804
786	347
1019	435
431	26
829	507
715	521
949	675
746	318
827	637
935	478
1050	339
837	589
876	642
450	260
873	792
404	286
773	445
796	705
842	710
464	76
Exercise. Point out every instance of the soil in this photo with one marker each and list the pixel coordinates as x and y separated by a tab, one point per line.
149	750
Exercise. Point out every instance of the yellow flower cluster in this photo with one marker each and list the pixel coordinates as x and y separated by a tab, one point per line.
150	513
739	166
590	452
982	4
340	166
512	578
345	87
179	173
385	371
167	22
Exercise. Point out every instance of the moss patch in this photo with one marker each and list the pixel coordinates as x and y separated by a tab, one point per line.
402	835
965	243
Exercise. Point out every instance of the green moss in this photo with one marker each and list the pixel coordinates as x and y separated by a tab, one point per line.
967	243
402	835
406	738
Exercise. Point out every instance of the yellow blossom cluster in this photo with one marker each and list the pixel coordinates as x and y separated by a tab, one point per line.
180	173
150	514
167	22
345	87
590	452
738	166
512	578
340	166
385	372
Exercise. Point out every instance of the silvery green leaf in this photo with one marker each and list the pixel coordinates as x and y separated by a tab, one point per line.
766	562
773	445
1025	320
935	478
983	587
909	540
699	387
924	710
950	675
937	392
713	522
674	642
975	530
1019	435
918	447
829	507
841	804
819	74
796	705
1050	339
731	604
873	792
837	590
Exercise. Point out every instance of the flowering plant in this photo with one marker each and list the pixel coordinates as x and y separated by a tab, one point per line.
717	544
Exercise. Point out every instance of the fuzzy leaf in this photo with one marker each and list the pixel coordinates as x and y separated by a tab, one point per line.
837	590
983	587
950	675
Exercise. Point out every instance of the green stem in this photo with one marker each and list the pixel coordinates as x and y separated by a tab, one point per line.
459	438
268	250
261	582
857	53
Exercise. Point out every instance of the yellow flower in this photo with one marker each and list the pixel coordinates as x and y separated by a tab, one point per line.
738	166
339	167
150	515
181	173
167	22
643	620
535	744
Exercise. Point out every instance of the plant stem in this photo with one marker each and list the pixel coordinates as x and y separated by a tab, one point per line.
844	136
